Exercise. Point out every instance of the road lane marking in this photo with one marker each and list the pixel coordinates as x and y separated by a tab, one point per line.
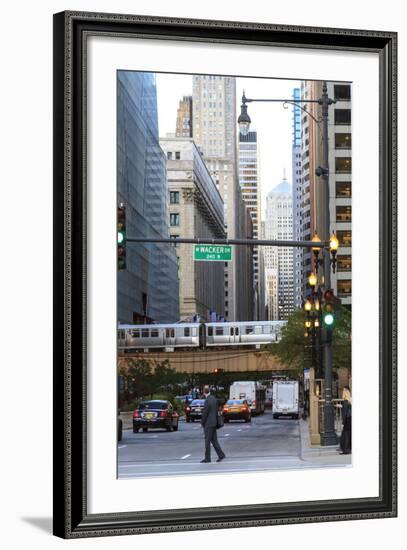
228	461
122	446
183	457
227	435
239	430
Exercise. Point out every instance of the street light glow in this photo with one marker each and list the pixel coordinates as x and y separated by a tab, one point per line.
312	279
333	243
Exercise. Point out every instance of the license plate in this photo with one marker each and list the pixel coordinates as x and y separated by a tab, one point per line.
234	410
149	416
198	410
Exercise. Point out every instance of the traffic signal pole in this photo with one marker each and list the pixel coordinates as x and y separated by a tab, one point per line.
328	436
242	242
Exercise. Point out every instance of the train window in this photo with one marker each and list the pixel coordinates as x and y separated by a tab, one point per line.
210	331
121	334
237	331
186	331
144	332
249	330
231	331
257	329
194	333
219	331
154	333
135	333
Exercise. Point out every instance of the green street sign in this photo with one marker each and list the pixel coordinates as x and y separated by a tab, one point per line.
212	253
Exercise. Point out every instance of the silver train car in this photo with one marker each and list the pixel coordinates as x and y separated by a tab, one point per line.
243	333
198	335
158	336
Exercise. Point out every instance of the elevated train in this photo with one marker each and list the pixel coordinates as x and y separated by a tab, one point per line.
198	335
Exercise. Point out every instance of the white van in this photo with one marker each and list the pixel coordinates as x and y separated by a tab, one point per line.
285	398
253	392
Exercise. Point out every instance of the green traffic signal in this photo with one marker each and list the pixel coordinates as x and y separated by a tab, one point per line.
329	309
328	319
121	238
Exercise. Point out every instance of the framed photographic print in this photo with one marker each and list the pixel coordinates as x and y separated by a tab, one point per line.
224	274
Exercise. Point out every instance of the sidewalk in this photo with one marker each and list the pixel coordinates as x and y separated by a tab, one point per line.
318	454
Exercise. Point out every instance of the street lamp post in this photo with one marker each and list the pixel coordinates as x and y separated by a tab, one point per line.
328	437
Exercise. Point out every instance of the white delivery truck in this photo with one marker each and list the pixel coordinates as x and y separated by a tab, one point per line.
252	391
285	398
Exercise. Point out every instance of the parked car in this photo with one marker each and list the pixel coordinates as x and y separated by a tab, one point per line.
237	409
155	414
193	411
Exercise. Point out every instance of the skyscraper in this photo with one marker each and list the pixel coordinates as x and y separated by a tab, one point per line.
196	211
184	117
148	287
250	186
214	132
297	200
279	260
340	181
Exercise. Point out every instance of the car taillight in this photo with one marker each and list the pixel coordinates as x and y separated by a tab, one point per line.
225	409
163	413
244	408
136	414
254	402
188	409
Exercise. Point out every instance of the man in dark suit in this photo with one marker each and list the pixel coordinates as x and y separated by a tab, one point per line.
209	422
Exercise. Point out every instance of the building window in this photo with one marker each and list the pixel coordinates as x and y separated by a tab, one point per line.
169	155
177	155
174	197
343	141
342	92
344	238
342	116
344	288
343	189
174	219
344	262
343	165
343	213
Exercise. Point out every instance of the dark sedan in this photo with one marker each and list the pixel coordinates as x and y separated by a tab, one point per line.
155	414
193	411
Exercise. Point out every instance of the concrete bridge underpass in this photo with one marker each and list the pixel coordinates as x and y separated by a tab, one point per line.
195	362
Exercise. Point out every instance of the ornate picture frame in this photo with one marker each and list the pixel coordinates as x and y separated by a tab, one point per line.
72	31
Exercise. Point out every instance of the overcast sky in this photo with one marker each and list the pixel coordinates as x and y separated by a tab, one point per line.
271	120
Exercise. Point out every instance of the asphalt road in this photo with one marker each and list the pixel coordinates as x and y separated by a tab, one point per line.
263	444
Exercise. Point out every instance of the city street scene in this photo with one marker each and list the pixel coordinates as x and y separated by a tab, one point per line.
234	294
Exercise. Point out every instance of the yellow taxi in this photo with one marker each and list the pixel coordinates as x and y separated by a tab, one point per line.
237	409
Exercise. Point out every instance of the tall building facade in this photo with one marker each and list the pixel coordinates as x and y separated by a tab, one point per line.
297	201
340	180
148	288
279	260
196	211
183	127
250	186
214	132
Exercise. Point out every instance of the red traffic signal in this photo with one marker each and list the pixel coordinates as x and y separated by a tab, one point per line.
329	295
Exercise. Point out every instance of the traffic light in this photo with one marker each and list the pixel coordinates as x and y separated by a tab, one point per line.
330	309
121	238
